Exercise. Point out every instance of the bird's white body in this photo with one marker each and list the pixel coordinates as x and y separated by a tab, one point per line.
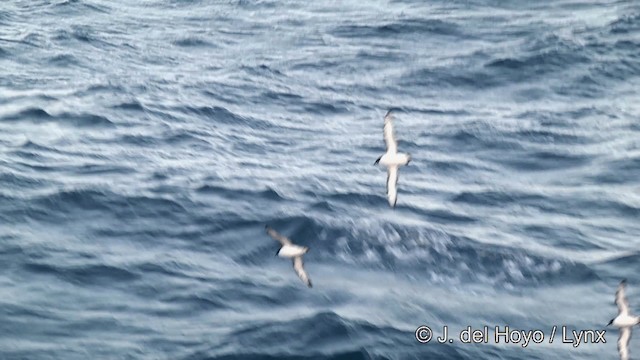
625	320
289	251
392	159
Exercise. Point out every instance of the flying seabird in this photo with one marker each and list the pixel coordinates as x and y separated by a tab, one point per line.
291	250
392	159
624	321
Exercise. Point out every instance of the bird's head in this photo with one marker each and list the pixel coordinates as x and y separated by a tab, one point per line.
408	158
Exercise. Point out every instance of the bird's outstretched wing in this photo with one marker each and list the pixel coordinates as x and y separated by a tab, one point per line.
621	299
623	343
389	136
299	268
277	236
392	181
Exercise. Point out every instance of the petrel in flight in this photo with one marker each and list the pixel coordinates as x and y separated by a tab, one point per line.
293	251
392	160
624	321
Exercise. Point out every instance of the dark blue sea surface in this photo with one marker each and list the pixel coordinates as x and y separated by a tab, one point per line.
144	145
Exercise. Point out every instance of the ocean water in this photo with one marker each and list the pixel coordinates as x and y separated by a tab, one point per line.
144	145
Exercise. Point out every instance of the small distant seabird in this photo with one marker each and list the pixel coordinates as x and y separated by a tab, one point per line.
291	250
624	321
392	160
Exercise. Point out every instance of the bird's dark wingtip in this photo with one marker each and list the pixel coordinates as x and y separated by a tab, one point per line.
624	281
393	110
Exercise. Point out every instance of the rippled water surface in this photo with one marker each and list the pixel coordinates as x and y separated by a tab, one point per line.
144	145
